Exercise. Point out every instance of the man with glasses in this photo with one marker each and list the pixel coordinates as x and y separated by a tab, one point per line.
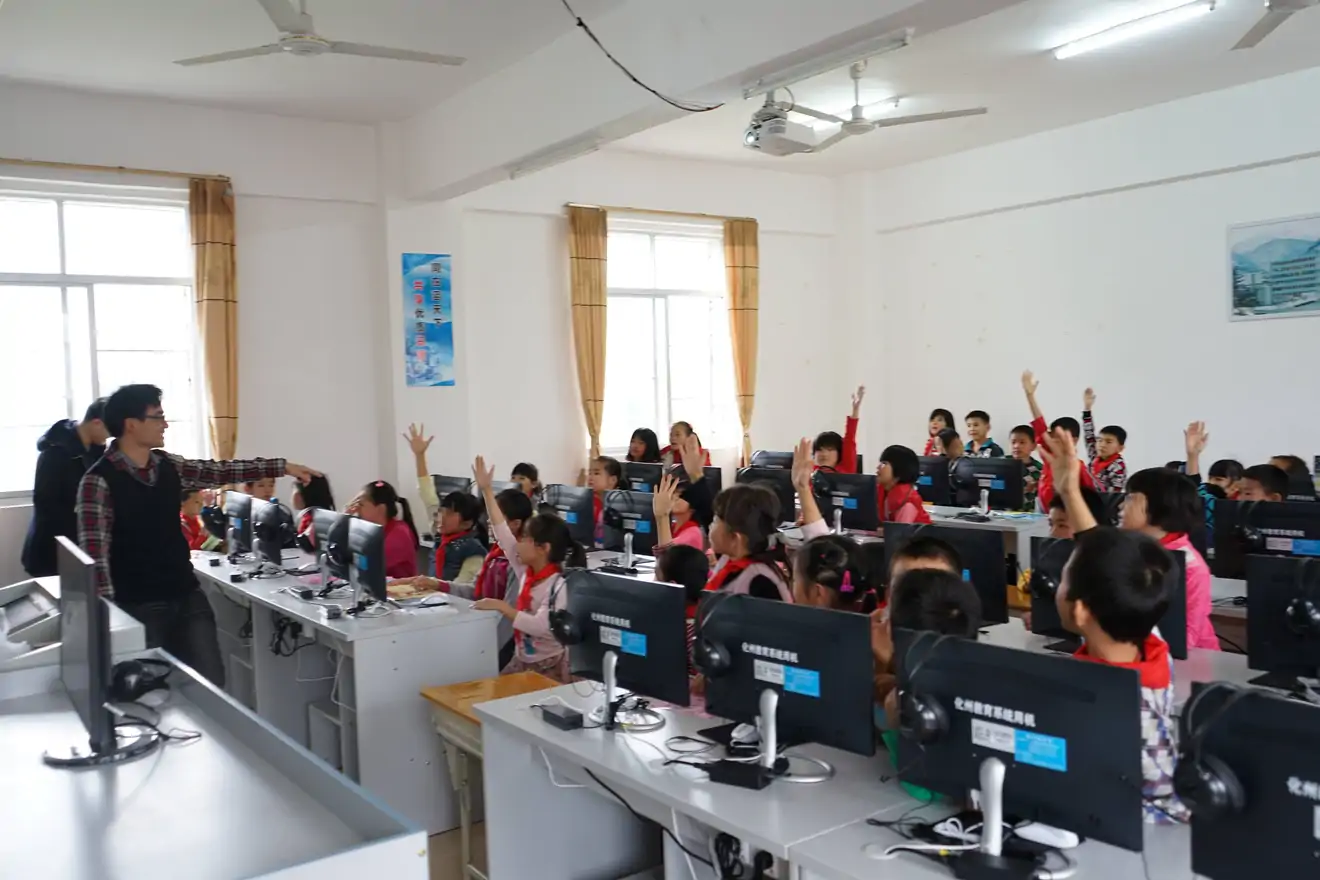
128	523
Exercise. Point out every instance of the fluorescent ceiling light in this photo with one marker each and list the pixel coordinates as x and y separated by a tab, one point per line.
829	60
555	155
1138	27
879	108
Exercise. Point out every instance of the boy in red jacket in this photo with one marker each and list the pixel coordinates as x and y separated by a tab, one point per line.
838	454
1045	490
190	520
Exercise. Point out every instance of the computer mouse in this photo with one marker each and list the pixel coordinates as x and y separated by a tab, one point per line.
745	733
1047	835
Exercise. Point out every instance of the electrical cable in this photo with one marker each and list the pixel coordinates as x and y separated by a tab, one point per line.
1234	645
692	869
550	770
678	843
687	108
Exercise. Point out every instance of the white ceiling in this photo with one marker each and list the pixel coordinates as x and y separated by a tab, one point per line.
127	46
1002	61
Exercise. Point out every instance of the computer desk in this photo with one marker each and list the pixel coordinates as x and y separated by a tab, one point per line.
1018	528
243	801
351	697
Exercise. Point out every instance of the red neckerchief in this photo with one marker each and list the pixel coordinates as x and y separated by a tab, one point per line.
1099	464
1152	665
1172	538
691	611
730	568
930	446
531	580
192	530
597	506
903	492
495	553
445	541
690	524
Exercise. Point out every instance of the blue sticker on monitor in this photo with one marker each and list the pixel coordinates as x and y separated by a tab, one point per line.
641	486
632	643
850	504
1039	750
642	527
1305	547
802	681
924	480
997	485
967	574
362	560
570	517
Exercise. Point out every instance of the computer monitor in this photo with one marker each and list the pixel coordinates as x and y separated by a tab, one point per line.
575	505
1275	528
629	513
804	673
716	477
982	554
238	510
1000	477
1029	731
1268	744
269	529
1283	620
1048	557
847	501
640	476
777	481
626	633
933	481
496	487
366	574
445	485
330	532
85	645
1301	487
764	458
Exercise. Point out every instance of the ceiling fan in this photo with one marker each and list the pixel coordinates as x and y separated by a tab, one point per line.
1276	13
857	123
298	37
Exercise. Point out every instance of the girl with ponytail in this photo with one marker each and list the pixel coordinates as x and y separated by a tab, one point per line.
379	503
831	572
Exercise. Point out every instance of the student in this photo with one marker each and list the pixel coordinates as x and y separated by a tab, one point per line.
528	477
264	490
1112	594
644	446
673	453
839	454
688	567
1301	487
1061	523
458	549
744	535
603	477
190	519
1105	453
307	498
379	503
1227	475
949	445
922	552
896	493
496	578
1045	488
538	559
830	572
1264	482
1022	443
940	420
674	522
978	428
64	454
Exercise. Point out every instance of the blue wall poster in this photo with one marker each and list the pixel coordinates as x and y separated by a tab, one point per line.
428	320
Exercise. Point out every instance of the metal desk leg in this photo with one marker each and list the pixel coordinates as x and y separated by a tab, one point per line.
458	774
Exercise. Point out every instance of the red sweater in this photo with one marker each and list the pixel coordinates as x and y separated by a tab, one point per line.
1045	490
194	531
848	457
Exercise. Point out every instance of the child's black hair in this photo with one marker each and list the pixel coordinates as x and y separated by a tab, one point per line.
1226	469
652	443
528	471
978	414
1272	478
1094	503
828	440
945	437
1119	434
514	505
686	566
925	547
836	563
942	414
933	600
1292	465
381	492
184	494
1069	424
466	505
549	528
1120	576
612	467
316	493
1024	430
686	426
752	511
903	462
1172	503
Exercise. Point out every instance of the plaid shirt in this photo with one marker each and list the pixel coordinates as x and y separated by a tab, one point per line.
96	513
1110	473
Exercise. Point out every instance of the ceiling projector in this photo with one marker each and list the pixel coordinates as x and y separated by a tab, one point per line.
770	132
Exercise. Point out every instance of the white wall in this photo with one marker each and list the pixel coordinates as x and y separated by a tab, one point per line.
309	240
516	396
1096	255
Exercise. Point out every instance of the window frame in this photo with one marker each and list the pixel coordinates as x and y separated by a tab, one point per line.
62	193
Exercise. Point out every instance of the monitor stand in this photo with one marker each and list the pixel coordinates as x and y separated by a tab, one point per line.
611	713
1289	680
988	862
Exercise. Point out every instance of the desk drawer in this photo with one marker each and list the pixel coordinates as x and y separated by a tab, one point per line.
458	730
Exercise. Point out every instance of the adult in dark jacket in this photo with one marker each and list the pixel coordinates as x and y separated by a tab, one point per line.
67	450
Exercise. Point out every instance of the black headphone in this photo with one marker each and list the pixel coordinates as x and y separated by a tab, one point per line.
131	680
566	628
921	717
712	658
1249	535
1043	584
1207	785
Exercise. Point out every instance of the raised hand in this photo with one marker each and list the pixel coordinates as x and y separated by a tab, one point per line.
662	503
693	459
858	396
418	442
1088	400
1060	450
1196	438
301	473
804	466
485	477
1029	382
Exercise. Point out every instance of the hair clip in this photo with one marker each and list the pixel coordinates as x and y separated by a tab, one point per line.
380	484
847	585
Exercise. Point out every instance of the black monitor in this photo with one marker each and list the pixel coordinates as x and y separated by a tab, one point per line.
238	510
1268	744
446	485
764	458
85	645
626	633
1283	620
575	505
496	487
778	481
1042	729
366	543
803	672
629	513
330	534
716	477
270	528
1301	487
640	476
1275	528
933	481
1048	557
847	501
1000	477
982	553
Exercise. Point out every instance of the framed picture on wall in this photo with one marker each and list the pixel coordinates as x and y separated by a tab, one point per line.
1274	269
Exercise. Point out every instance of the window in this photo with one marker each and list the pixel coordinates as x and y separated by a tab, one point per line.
668	355
95	292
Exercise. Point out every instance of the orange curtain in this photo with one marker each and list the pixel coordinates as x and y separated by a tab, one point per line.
741	261
211	209
586	258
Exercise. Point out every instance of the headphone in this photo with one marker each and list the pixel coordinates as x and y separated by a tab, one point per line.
712	658
1207	785
131	680
564	626
1303	613
1250	536
921	717
1043	583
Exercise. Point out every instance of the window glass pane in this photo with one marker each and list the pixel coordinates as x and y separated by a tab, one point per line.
172	373
683	263
701	368
151	241
630	370
148	316
80	348
32	364
628	262
18	458
29	236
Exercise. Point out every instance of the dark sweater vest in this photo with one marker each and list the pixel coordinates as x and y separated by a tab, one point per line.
149	556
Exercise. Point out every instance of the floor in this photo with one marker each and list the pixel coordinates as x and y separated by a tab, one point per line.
446	853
